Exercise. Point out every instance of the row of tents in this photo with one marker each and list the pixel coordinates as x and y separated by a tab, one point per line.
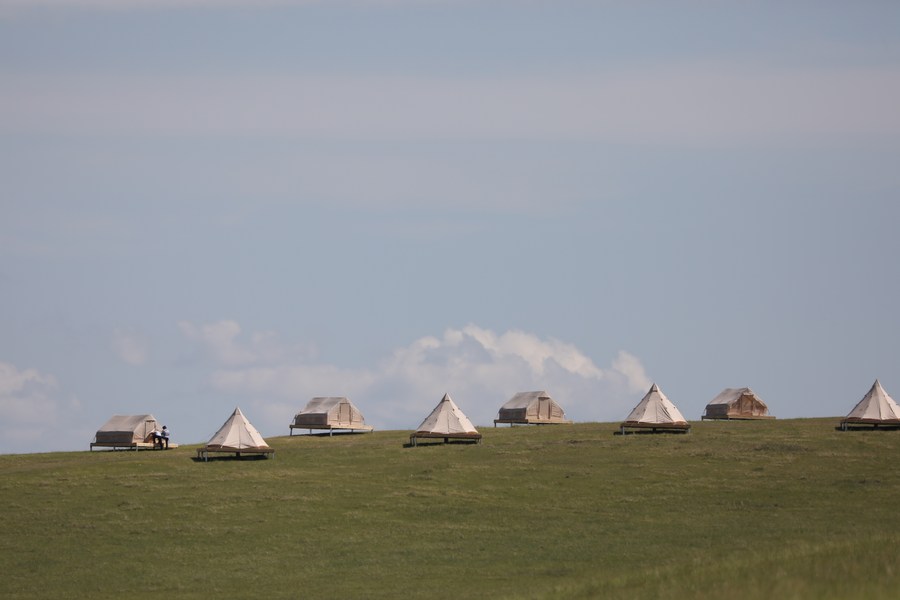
655	412
338	413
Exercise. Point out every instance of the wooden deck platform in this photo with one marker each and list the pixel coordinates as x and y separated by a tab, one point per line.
133	446
655	427
330	428
474	437
756	418
846	425
203	453
530	422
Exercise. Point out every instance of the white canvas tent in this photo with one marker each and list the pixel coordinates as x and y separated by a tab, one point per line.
236	435
126	431
330	413
657	413
446	421
737	404
531	407
876	408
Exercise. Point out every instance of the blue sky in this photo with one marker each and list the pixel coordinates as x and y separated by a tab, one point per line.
212	204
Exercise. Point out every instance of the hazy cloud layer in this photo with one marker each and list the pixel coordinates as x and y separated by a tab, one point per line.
221	341
699	103
12	6
34	414
130	347
480	368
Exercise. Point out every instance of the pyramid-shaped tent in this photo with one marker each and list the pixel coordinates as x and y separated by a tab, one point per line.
876	408
236	435
531	407
657	413
446	421
737	403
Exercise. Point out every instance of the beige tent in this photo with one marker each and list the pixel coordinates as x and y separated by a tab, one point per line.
657	413
446	421
737	403
531	407
237	435
330	413
876	408
126	431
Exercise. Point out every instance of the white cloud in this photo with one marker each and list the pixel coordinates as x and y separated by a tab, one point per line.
220	340
480	368
33	412
534	351
24	394
225	344
630	367
130	347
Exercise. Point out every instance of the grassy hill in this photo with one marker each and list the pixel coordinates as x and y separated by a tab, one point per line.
784	509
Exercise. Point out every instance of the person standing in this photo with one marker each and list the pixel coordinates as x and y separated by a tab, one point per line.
157	438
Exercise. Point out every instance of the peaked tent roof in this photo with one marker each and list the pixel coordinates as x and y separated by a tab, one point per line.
125	429
321	404
237	434
447	419
523	399
330	412
737	403
875	407
729	395
531	407
656	409
127	423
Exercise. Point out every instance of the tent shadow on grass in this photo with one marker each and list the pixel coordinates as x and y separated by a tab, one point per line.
652	432
101	450
229	457
440	442
328	434
869	427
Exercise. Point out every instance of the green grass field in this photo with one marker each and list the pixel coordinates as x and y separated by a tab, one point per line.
779	509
